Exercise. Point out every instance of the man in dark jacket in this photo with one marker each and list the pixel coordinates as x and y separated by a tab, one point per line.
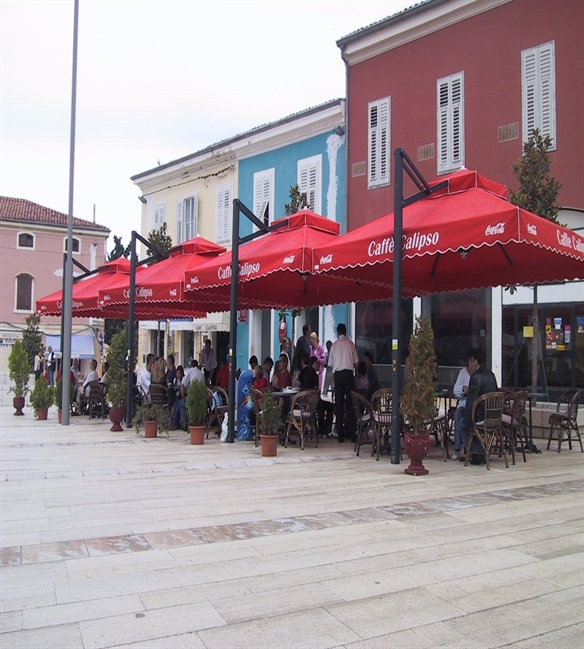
482	382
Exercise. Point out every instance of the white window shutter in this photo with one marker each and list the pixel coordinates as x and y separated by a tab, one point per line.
379	142
195	215
159	215
450	122
223	212
310	181
538	89
179	222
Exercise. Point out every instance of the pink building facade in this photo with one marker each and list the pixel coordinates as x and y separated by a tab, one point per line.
33	240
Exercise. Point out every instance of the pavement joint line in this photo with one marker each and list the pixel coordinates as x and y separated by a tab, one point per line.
11	556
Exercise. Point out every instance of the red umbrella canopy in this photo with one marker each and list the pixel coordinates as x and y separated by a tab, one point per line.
464	237
86	301
274	269
161	285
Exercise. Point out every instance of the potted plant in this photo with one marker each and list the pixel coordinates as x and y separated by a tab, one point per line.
41	398
116	379
419	394
198	410
271	414
153	417
59	397
19	370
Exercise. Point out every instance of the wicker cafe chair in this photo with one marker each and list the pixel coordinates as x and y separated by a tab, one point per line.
96	401
256	399
489	429
440	428
565	420
381	410
220	407
514	422
158	395
364	420
302	416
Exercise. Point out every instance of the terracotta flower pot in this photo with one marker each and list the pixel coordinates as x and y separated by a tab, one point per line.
42	414
416	447
197	434
116	416
269	445
150	429
18	403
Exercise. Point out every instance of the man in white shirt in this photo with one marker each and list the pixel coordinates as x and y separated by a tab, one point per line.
91	376
343	359
208	359
145	377
192	374
460	391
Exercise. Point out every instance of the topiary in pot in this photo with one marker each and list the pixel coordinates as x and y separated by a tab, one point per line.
151	414
271	414
42	398
116	378
19	371
419	394
198	410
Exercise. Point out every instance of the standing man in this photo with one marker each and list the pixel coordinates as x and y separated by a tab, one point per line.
145	378
343	359
192	374
208	360
481	382
302	347
51	365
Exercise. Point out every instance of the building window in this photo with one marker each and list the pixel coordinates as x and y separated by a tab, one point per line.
263	195
187	218
450	122
310	181
223	212
159	216
538	91
378	142
76	245
24	292
25	240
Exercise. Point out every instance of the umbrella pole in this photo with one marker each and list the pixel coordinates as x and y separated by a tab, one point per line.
233	321
131	325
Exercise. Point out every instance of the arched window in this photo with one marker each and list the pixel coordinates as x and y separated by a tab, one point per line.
25	240
24	292
76	245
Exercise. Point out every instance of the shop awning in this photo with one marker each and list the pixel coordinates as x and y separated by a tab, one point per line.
82	346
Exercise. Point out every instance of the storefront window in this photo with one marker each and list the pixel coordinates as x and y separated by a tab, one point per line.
374	327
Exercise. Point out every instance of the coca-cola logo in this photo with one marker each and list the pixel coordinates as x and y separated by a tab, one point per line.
288	260
172	292
490	230
326	259
532	229
106	298
194	280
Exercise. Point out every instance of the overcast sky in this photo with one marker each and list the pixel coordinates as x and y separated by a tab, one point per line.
157	80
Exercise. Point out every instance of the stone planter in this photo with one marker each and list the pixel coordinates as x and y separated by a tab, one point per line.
416	447
269	445
197	434
18	403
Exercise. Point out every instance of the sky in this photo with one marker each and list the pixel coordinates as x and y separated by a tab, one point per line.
156	80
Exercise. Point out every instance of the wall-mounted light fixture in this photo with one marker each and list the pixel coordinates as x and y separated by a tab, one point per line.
339	130
142	199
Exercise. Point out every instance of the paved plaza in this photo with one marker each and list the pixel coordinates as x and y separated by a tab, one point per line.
111	540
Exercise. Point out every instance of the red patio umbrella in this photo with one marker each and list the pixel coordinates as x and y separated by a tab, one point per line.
466	236
86	296
160	286
274	269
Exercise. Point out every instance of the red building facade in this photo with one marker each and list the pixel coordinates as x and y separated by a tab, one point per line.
463	83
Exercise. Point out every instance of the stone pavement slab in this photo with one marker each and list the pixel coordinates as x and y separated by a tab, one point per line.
111	540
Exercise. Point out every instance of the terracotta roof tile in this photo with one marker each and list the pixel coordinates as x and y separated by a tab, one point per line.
19	209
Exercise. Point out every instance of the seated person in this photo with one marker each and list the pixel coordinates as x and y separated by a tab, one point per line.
460	391
83	389
222	376
259	380
180	411
309	380
362	382
284	377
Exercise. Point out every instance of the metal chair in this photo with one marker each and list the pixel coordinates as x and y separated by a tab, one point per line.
302	416
486	415
364	420
514	422
159	395
381	410
565	420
